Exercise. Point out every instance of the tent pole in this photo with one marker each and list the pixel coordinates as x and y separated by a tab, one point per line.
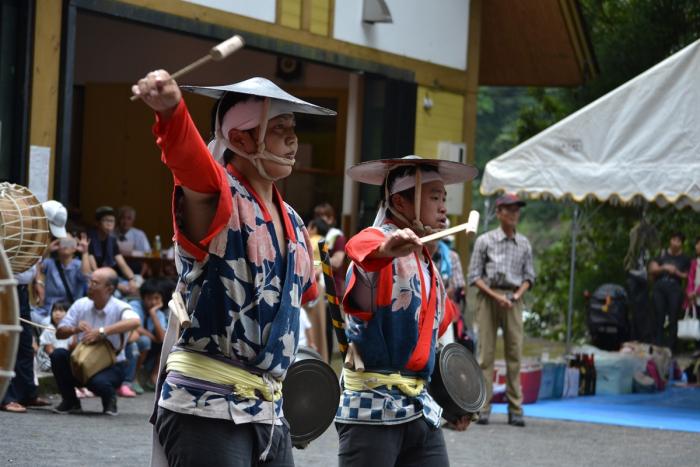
485	217
572	270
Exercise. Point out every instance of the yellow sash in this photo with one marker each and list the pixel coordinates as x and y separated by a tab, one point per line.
244	384
356	381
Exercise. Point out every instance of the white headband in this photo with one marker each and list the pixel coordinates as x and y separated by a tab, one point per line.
409	181
247	114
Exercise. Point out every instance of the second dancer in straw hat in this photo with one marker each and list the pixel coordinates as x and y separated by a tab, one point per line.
394	302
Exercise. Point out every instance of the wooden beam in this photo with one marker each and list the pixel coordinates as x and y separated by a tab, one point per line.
578	37
46	78
306	6
469	115
331	18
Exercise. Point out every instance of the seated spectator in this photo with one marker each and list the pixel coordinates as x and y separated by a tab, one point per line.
154	321
130	387
48	341
64	277
131	241
104	250
316	309
97	316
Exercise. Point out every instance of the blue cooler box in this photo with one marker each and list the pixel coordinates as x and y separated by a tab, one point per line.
615	374
552	385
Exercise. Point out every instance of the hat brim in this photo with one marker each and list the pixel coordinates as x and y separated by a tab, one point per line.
374	172
264	88
58	232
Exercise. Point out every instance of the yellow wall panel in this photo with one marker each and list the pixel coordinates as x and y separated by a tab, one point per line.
291	13
319	17
443	122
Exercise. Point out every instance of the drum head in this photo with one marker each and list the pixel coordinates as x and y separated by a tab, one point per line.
311	393
462	378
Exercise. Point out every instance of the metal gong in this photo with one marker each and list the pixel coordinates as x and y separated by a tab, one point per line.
311	393
457	383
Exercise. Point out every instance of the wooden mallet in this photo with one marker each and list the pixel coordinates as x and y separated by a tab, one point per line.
217	53
468	227
179	311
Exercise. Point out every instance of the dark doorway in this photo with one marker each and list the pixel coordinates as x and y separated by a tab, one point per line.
15	52
389	127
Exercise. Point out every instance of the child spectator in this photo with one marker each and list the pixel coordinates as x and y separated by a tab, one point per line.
48	341
146	348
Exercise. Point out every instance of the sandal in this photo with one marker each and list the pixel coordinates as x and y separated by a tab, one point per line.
14	407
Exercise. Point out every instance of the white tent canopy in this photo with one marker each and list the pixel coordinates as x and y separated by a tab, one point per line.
641	140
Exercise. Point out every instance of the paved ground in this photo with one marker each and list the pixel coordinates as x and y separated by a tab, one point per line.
42	438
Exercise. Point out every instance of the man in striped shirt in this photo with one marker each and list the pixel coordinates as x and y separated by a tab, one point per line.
501	268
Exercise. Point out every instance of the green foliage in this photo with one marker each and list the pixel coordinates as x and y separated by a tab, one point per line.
600	249
631	36
628	37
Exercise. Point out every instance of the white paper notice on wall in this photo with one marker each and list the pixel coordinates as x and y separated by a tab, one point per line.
39	165
455	152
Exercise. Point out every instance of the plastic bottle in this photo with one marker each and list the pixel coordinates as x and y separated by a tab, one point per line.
583	376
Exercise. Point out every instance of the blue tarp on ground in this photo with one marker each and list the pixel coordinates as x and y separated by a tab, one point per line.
677	408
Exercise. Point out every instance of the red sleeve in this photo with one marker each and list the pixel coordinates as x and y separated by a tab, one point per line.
184	152
360	246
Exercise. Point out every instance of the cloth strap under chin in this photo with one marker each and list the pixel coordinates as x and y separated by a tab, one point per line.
260	154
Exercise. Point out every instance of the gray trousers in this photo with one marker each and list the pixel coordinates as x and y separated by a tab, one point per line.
197	441
409	444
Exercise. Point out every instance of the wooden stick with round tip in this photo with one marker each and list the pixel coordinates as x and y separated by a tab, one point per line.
470	226
178	310
217	53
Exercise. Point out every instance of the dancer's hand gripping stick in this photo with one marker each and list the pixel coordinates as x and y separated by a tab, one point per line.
469	227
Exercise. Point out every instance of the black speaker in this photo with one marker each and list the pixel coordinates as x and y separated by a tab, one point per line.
288	68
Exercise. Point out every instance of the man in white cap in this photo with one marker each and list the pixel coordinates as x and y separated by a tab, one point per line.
245	266
394	302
